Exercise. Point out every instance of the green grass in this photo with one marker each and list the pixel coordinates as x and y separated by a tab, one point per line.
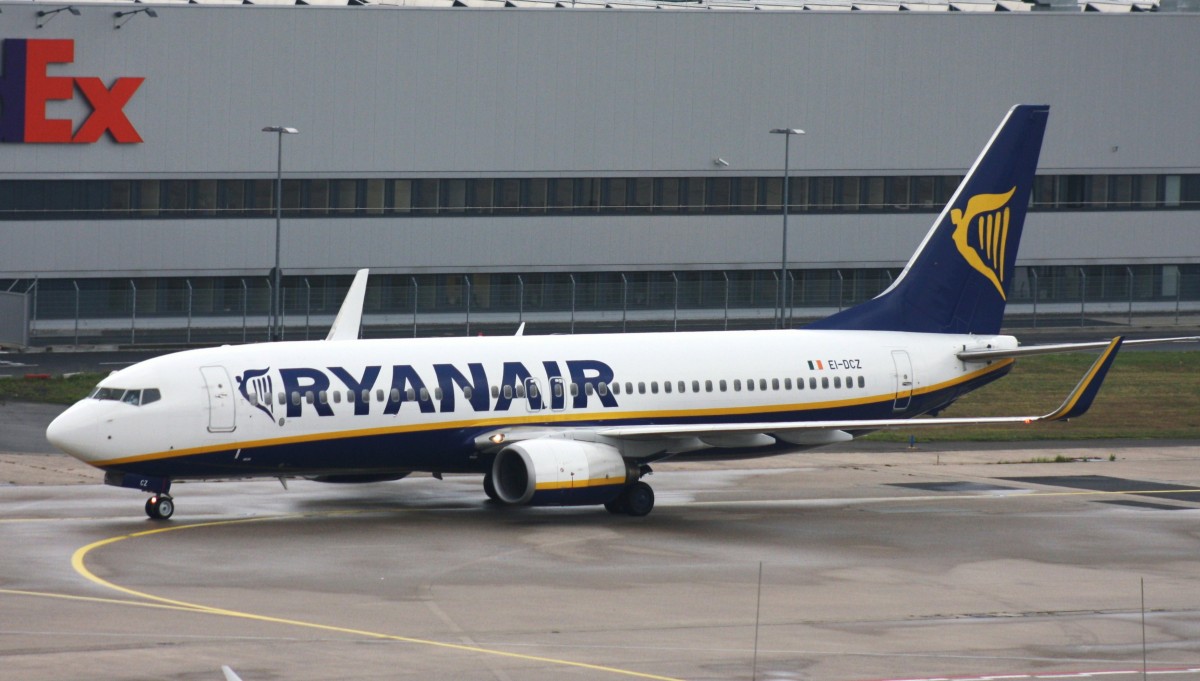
1148	395
55	390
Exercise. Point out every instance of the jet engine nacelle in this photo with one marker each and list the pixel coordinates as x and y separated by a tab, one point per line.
554	472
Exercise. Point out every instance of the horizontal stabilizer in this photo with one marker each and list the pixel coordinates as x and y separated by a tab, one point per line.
987	354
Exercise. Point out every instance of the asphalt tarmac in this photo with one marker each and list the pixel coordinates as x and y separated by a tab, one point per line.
874	565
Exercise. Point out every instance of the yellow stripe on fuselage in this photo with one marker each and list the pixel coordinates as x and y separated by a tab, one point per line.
543	418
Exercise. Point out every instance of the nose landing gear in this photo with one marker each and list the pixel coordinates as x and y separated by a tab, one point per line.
160	507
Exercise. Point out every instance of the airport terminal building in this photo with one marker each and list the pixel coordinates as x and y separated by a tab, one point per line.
562	163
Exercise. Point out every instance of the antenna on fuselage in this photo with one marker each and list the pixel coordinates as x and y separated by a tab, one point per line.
349	318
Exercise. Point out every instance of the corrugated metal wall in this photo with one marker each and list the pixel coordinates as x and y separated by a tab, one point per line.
483	93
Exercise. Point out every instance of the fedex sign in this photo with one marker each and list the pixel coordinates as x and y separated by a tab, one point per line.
26	87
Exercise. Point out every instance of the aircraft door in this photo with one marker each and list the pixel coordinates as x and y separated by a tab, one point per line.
221	414
904	380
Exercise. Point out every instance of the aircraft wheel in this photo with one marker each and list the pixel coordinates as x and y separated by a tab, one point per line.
160	507
489	487
638	499
617	505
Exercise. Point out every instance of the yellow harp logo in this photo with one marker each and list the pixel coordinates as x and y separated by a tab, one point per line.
986	219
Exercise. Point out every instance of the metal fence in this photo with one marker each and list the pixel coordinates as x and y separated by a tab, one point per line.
238	311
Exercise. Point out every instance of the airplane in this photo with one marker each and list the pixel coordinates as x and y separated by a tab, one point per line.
580	420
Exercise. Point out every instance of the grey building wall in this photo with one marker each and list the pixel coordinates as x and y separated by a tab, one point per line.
564	243
392	92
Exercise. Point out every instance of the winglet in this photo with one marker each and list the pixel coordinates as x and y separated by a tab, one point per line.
230	675
1081	397
349	318
520	330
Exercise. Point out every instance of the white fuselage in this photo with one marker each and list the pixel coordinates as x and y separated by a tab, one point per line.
397	405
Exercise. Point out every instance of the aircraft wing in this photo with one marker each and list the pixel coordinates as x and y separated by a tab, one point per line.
349	317
1077	403
815	432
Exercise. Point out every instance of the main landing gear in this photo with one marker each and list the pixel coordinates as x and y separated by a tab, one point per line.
160	507
636	500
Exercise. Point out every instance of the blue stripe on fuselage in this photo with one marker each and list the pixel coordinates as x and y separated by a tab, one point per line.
452	450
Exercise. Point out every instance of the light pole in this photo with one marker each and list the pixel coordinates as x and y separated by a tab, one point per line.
276	292
787	138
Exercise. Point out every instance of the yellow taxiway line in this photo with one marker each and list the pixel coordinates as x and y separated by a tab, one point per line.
78	561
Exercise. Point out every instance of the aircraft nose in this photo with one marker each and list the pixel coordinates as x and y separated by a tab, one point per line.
72	431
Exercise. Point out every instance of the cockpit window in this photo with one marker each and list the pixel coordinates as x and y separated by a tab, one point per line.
115	394
134	397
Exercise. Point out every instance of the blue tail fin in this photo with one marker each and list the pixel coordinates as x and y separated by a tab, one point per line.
959	279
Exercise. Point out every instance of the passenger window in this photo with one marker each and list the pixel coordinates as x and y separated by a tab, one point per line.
628	388
366	396
682	387
837	381
533	391
861	382
323	397
394	395
349	397
507	391
437	393
812	383
337	396
695	386
724	386
787	384
282	398
774	384
309	397
849	381
409	394
616	388
749	384
654	387
495	391
708	386
737	385
667	386
424	394
799	384
133	397
296	399
152	395
520	389
574	390
558	391
588	389
762	384
467	392
602	388
641	388
379	395
825	382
